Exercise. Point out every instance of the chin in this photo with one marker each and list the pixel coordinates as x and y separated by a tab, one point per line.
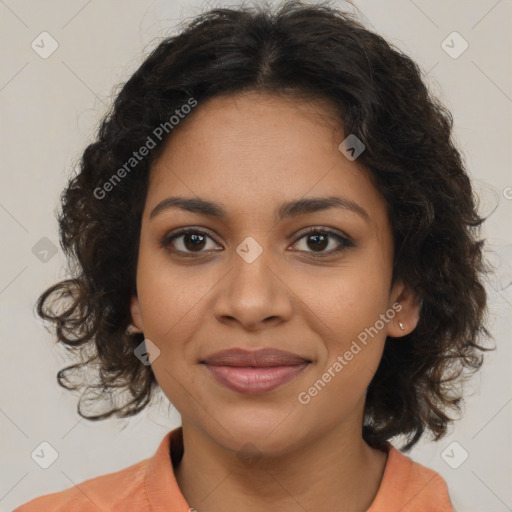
273	433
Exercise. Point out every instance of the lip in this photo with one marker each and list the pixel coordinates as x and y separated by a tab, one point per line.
263	357
254	372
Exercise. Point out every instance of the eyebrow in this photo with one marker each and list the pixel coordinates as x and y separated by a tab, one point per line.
287	210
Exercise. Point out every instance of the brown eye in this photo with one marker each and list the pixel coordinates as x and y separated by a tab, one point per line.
193	241
186	242
318	239
189	242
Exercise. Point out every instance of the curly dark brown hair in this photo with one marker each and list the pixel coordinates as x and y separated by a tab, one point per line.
296	50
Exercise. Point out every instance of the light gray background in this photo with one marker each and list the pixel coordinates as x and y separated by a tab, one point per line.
49	112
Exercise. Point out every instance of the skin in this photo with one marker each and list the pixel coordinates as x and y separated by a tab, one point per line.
251	152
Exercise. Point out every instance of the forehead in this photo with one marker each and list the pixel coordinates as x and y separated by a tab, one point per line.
254	151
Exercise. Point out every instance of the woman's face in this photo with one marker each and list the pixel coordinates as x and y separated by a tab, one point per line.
255	279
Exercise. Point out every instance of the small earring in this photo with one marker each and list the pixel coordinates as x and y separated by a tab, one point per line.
401	325
131	329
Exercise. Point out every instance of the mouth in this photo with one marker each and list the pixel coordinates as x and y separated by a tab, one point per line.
254	372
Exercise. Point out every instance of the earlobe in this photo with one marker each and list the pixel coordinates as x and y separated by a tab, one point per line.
136	325
407	311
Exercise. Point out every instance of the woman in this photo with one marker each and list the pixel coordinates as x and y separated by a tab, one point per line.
275	228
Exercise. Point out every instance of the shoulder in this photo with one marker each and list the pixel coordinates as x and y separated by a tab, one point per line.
123	490
410	487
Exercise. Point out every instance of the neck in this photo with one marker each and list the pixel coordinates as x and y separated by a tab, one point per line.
335	471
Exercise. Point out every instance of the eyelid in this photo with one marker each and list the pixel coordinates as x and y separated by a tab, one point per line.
322	229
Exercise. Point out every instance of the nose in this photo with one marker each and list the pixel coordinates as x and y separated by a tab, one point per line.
253	294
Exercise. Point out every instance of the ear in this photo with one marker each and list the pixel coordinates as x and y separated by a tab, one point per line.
407	308
136	314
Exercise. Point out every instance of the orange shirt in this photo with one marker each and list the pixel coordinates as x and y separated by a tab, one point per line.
150	486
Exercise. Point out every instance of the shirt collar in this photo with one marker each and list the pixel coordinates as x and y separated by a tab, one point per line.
161	485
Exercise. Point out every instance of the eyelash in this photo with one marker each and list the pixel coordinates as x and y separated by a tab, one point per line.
345	241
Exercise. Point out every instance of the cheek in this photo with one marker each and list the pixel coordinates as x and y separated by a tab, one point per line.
348	309
170	302
170	299
348	301
349	323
